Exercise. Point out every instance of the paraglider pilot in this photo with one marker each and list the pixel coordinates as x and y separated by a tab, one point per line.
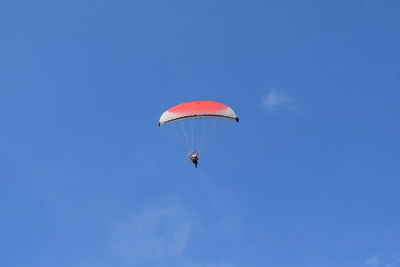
194	157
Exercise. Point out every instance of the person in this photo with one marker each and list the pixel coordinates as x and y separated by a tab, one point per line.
194	157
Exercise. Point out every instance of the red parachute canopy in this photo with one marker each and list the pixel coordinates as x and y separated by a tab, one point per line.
196	110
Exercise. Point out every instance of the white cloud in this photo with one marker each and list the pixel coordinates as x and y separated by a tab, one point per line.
373	261
163	233
154	234
158	235
276	99
385	260
202	264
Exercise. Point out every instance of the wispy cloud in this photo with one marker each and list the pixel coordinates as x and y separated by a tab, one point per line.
154	234
164	232
158	235
373	261
371	1
276	99
391	260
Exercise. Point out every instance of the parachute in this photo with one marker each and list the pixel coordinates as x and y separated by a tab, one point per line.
197	110
181	121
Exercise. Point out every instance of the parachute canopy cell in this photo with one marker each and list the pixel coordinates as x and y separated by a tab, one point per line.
196	110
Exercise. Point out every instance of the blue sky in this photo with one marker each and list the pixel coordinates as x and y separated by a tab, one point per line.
309	177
